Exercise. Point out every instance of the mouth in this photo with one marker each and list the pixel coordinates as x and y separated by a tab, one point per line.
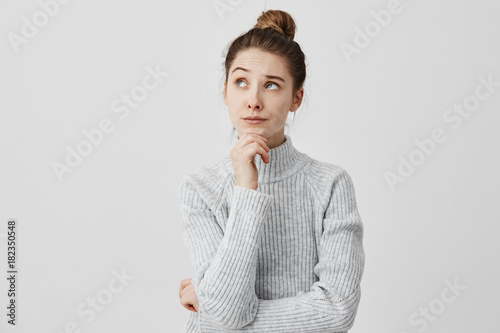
254	121
254	118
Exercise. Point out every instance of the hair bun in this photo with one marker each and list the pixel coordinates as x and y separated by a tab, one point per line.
278	20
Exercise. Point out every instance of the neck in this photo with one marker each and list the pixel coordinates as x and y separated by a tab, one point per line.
284	160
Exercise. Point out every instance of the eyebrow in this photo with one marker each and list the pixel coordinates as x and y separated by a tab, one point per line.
267	76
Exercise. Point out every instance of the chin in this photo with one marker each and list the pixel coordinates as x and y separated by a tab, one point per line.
253	129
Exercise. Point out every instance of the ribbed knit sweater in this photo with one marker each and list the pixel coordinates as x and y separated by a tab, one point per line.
287	257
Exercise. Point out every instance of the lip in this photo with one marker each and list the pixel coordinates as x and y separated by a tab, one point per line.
254	121
254	118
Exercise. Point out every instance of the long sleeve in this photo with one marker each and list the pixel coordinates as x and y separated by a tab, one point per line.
224	262
332	302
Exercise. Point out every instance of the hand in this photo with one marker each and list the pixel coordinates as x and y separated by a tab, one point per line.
243	155
188	297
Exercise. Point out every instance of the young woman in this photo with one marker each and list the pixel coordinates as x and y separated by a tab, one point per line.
274	235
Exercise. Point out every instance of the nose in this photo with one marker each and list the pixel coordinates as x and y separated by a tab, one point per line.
254	101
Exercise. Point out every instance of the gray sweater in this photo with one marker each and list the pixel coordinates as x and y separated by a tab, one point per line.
287	257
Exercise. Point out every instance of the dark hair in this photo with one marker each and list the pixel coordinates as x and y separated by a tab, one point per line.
274	33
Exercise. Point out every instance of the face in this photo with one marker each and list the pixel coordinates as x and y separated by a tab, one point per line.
260	85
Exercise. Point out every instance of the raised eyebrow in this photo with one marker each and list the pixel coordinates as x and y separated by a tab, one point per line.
273	77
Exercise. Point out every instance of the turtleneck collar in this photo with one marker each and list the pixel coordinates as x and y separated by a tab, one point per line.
284	160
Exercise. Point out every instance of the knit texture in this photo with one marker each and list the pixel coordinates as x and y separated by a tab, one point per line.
287	257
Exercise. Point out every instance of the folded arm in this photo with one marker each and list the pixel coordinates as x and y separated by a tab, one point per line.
224	262
332	302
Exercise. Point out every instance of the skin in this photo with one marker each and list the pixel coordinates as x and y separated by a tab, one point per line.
251	93
187	295
256	95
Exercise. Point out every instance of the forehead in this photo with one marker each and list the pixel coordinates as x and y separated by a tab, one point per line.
260	62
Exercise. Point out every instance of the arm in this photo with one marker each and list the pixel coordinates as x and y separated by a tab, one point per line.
332	302
224	262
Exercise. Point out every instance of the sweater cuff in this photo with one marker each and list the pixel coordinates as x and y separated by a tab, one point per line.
251	201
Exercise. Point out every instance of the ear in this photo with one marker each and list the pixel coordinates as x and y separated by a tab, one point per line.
297	99
225	92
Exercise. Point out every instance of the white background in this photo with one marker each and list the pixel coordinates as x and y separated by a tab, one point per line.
117	209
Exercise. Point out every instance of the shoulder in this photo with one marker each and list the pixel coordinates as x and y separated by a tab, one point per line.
205	184
321	172
326	178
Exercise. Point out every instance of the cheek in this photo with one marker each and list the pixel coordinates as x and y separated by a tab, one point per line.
279	106
234	98
230	95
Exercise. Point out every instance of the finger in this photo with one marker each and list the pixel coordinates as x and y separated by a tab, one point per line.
253	138
255	135
188	299
187	306
255	148
187	289
184	283
190	307
184	300
250	138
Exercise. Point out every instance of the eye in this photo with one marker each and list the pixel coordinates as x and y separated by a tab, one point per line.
238	81
269	83
277	85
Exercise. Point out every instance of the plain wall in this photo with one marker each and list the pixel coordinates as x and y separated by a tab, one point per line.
395	98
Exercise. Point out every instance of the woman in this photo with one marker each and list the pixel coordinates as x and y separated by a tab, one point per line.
274	235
